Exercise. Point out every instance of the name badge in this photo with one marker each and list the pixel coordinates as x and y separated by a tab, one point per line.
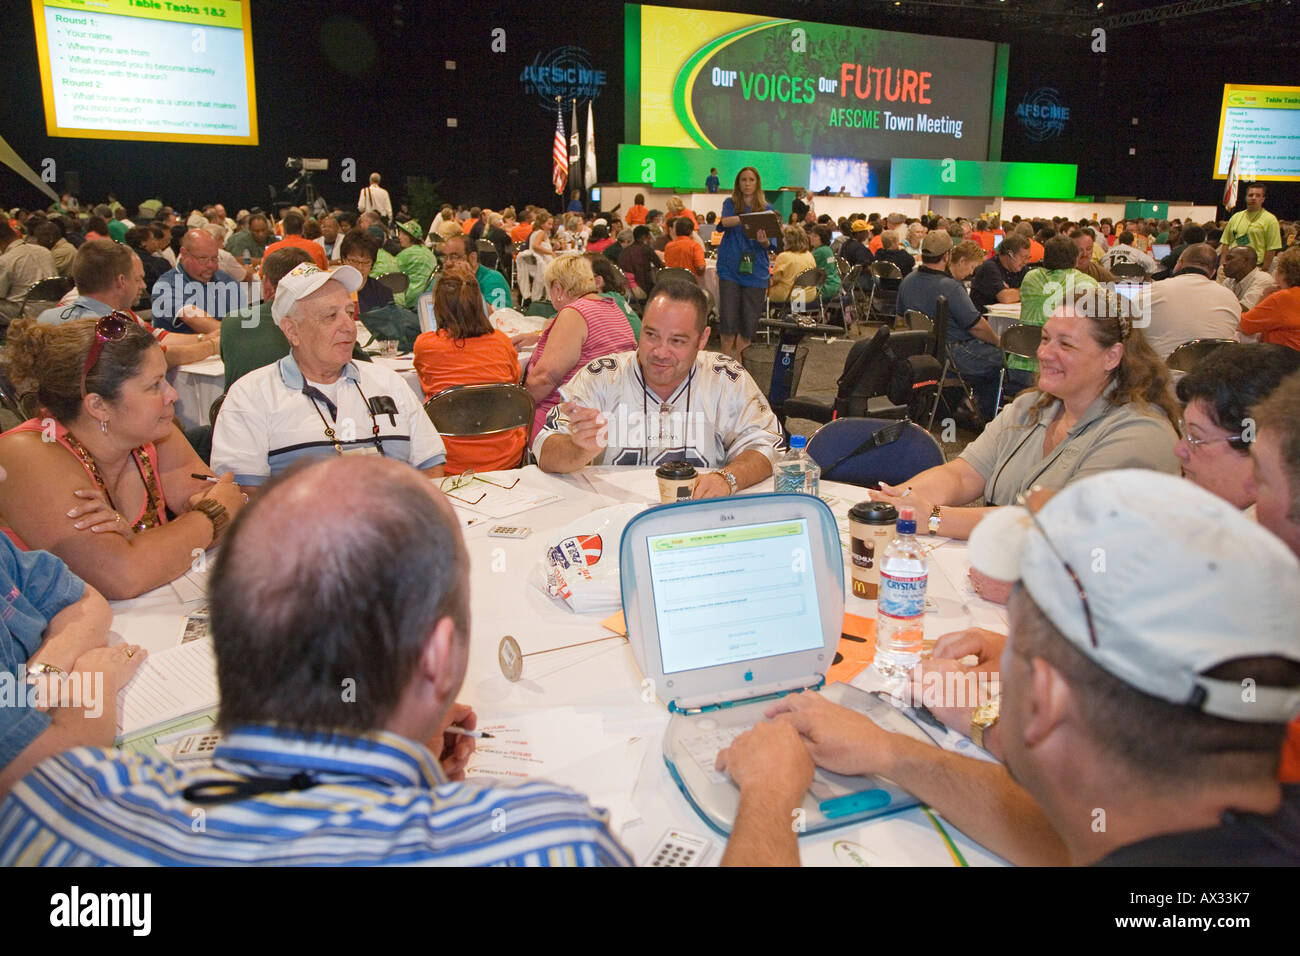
366	449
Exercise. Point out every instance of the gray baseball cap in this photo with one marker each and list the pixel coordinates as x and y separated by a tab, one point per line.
1177	580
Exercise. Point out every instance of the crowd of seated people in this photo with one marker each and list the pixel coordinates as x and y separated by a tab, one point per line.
104	497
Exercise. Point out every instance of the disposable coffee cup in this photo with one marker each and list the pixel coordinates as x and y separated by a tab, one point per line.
871	528
676	481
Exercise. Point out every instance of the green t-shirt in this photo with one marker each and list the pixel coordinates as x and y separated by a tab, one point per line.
1262	233
633	319
1041	292
385	262
250	340
495	289
418	264
825	259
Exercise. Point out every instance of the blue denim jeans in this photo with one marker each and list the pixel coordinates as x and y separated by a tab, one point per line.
980	364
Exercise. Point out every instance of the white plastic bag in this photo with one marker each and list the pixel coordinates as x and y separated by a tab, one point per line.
580	566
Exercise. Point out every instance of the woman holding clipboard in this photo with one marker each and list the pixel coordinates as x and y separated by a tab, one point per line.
742	265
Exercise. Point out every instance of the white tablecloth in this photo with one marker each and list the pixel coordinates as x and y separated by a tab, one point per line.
199	384
631	781
709	281
1002	317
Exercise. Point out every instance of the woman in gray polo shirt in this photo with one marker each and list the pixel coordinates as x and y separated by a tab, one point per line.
1102	401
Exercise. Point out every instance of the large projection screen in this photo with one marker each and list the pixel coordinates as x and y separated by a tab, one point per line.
713	80
1263	122
161	70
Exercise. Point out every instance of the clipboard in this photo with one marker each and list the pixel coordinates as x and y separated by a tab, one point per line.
752	222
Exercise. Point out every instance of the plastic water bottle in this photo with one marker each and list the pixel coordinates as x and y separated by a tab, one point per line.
900	608
796	472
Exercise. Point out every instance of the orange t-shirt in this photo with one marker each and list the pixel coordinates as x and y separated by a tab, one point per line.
685	253
986	240
467	225
1276	319
1289	772
876	244
521	232
636	215
312	248
1035	251
442	362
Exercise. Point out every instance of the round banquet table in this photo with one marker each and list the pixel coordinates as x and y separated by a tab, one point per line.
628	777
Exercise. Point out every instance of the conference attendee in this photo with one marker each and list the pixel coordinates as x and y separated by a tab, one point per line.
854	249
674	209
1190	304
819	238
492	286
998	279
911	243
1120	693
49	234
250	339
103	478
611	283
374	198
1275	454
640	261
143	241
292	224
794	259
668	401
317	401
600	239
891	252
1190	235
586	326
1254	226
742	265
1086	245
1123	252
684	252
1244	279
521	231
359	249
636	212
972	343
226	262
1102	402
1217	396
711	181
248	244
109	278
54	654
466	350
1044	289
22	265
415	261
330	237
303	774
539	240
196	294
1276	318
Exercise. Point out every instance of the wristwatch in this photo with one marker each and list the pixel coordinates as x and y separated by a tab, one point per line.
730	479
936	516
984	718
215	512
38	669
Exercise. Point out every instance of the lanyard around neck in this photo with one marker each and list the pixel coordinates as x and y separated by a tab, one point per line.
316	396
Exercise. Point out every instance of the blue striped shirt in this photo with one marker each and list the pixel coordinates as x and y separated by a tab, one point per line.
380	799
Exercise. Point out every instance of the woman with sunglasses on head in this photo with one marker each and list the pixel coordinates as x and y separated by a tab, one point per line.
102	477
1102	401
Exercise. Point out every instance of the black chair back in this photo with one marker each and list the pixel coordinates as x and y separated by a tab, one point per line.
1191	354
396	282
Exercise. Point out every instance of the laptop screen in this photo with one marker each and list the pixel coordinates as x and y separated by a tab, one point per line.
1159	251
741	593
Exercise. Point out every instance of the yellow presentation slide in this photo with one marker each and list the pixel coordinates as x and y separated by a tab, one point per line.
163	70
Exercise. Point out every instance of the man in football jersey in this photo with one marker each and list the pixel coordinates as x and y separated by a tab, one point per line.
667	401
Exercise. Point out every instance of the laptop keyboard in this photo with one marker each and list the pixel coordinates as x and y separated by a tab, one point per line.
704	749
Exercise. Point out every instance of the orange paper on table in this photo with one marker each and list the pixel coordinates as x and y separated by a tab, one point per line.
856	648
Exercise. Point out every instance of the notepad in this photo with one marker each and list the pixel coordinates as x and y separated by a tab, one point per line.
172	684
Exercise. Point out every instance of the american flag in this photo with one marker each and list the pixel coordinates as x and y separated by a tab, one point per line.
559	155
1230	187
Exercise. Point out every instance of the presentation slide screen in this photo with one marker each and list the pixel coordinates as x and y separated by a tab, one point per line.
735	81
1263	123
162	70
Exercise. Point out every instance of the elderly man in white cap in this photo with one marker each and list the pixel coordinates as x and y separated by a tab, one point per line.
1151	671
316	401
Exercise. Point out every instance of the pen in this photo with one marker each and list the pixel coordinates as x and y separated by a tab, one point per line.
195	474
461	731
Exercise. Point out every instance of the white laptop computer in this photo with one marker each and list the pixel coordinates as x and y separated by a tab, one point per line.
731	603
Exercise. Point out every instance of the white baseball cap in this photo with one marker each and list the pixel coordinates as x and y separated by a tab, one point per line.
304	279
1177	582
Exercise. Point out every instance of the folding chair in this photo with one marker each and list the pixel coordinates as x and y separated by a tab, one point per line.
468	411
1190	354
914	320
1128	270
396	282
1021	341
883	302
866	451
943	355
860	390
45	294
804	298
487	253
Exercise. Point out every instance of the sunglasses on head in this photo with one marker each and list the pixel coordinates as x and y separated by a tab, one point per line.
110	328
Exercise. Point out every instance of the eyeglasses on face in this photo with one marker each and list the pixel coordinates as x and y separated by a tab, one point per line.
1237	442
